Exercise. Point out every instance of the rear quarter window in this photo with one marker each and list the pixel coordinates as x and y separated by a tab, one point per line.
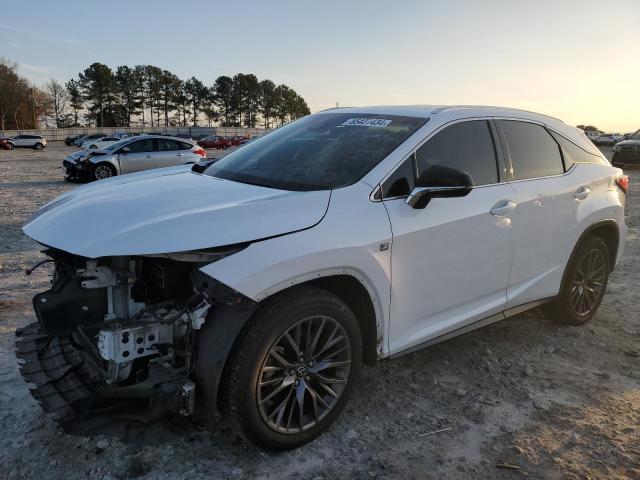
572	153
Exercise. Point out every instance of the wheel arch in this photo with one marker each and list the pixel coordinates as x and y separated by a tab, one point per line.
609	232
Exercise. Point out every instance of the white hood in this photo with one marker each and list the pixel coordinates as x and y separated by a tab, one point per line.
169	210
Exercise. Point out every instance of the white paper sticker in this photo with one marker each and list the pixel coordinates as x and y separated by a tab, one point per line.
367	122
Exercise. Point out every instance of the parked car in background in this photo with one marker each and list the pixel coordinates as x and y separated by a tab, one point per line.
6	144
592	134
238	140
131	155
608	139
36	142
87	138
69	140
201	136
627	152
215	141
99	142
258	287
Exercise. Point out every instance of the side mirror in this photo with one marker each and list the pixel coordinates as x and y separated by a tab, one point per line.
125	150
439	181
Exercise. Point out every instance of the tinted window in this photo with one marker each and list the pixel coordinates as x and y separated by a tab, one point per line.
318	152
572	153
167	145
401	182
467	146
533	151
145	145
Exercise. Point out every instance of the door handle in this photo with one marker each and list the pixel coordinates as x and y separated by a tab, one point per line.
502	208
147	156
180	154
581	193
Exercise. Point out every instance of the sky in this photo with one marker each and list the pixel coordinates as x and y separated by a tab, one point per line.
575	60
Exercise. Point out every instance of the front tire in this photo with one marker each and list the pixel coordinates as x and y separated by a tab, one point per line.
583	286
103	170
291	372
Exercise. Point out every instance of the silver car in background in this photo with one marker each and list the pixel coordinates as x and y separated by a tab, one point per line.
131	155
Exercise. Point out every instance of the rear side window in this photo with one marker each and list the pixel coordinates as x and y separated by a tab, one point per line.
467	146
185	146
534	153
572	153
167	145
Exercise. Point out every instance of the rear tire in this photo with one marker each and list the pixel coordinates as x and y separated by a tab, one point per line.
583	285
38	146
262	399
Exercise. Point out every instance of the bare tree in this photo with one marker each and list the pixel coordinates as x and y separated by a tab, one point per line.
58	99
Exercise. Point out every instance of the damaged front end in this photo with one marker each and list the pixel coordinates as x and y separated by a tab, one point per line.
122	335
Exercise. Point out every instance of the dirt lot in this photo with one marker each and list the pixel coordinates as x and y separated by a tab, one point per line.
548	401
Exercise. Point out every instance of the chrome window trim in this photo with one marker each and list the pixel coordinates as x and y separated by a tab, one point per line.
378	187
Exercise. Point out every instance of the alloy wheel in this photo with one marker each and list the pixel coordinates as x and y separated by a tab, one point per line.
304	374
588	282
102	171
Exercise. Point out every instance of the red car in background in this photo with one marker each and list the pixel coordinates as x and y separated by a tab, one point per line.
5	144
215	142
238	140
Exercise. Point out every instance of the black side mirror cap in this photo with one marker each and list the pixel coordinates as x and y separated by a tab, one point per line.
439	181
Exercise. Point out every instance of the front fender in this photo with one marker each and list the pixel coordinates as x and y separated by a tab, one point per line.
352	239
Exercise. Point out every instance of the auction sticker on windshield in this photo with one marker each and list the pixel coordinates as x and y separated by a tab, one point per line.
367	122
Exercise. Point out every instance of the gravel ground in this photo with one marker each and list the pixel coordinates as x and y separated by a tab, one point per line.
519	398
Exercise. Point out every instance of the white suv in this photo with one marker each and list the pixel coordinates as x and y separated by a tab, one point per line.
28	141
259	284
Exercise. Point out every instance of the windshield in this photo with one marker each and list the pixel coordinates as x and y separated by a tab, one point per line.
317	152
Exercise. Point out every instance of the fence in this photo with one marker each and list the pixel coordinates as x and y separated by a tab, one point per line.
58	134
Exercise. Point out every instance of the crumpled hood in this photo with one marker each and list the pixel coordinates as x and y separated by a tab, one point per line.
75	157
169	210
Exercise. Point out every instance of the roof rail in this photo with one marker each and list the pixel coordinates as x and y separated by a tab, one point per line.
455	107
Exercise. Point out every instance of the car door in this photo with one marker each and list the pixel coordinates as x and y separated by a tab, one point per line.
170	152
19	141
140	155
450	261
544	220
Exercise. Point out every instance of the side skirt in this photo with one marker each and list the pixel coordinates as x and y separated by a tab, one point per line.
473	326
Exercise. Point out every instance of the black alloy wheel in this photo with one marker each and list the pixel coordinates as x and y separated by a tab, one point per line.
584	284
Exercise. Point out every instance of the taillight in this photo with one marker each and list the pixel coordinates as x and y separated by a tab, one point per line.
623	183
201	151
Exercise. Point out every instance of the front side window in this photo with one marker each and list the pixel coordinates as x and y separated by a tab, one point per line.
318	152
140	146
533	152
466	146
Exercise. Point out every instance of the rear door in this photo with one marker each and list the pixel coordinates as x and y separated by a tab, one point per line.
171	152
139	157
451	260
545	217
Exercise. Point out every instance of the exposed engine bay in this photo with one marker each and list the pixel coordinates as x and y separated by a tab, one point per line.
132	327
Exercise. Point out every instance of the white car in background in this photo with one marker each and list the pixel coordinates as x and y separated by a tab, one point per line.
98	143
609	139
352	235
36	142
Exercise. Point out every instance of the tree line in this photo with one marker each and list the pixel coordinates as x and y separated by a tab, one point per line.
150	96
21	104
145	95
